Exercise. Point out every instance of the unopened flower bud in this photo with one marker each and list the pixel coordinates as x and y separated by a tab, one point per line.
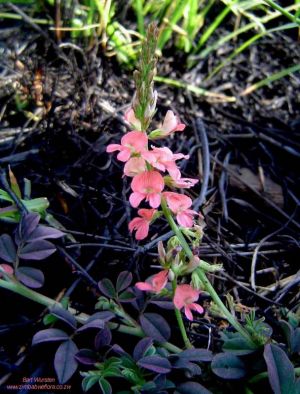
161	253
171	275
192	265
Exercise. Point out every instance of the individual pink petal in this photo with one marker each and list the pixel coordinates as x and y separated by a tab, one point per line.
134	166
136	141
135	199
188	313
144	286
124	155
147	213
196	307
130	117
142	231
113	148
154	200
185	219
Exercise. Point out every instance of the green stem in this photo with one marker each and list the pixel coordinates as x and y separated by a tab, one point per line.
181	326
263	375
202	275
82	318
283	11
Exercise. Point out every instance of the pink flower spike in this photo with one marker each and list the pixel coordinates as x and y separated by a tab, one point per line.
155	284
131	143
130	118
185	297
134	166
141	224
171	124
147	185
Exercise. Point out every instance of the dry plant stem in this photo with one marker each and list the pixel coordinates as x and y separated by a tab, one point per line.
82	318
202	275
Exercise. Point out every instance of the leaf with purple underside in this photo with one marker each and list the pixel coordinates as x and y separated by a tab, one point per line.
155	363
49	335
7	248
37	250
65	363
31	277
155	326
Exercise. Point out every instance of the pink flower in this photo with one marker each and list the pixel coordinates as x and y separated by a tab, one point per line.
131	143
134	166
182	183
164	160
179	205
185	297
141	224
147	185
130	117
7	269
171	124
155	284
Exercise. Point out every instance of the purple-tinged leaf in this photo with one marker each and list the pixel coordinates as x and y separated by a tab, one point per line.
296	341
141	348
280	370
191	388
30	277
127	296
44	232
192	369
97	323
196	355
155	326
103	338
86	357
104	315
49	335
119	350
107	288
228	366
28	224
155	363
65	363
64	315
7	249
37	250
124	280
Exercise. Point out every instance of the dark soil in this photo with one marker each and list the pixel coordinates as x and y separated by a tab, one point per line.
74	104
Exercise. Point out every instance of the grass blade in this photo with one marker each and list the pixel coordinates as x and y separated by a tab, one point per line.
271	78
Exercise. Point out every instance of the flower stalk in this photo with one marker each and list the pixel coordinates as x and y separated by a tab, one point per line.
209	288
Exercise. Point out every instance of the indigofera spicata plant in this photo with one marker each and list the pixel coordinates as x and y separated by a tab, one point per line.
151	362
157	182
